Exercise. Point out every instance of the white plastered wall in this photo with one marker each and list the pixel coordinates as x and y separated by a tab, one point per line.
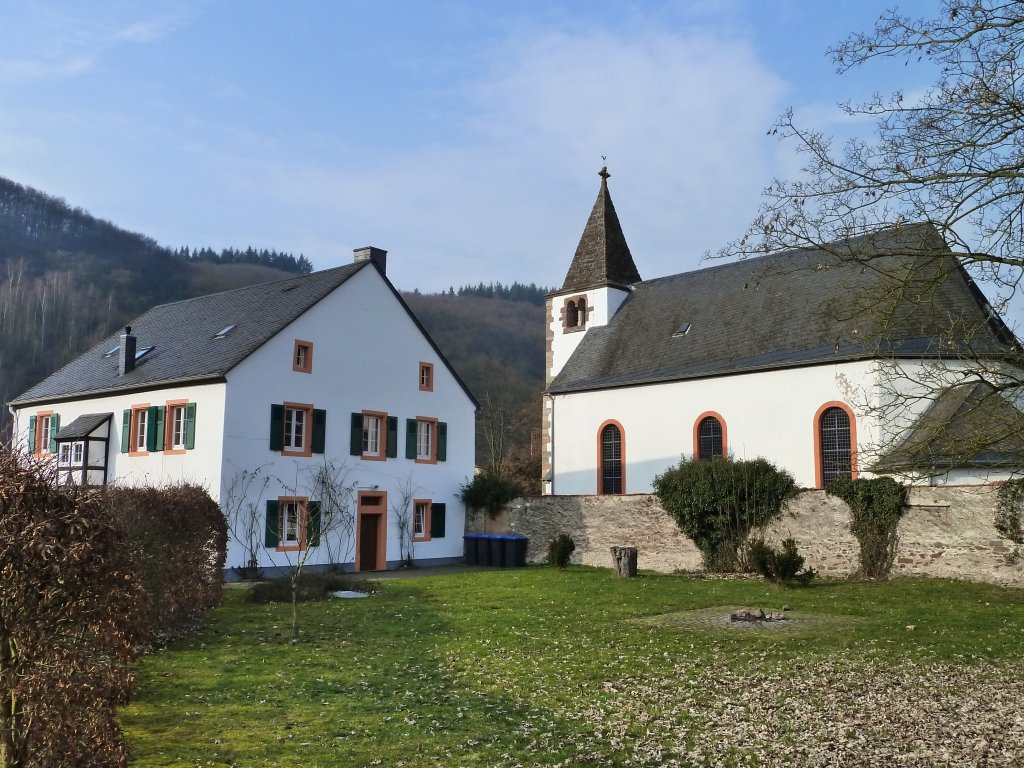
366	356
769	414
200	465
602	303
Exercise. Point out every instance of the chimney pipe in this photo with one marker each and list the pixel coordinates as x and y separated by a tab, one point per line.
126	358
377	255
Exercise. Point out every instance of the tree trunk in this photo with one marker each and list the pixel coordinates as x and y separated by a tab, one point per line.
624	561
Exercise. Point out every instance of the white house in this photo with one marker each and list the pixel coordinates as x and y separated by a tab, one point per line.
783	357
316	409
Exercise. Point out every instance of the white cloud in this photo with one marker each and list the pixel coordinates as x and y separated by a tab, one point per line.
682	119
48	40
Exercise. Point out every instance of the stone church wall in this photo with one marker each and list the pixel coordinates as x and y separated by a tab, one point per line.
947	532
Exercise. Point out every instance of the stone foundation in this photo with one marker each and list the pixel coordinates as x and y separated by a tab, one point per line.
947	532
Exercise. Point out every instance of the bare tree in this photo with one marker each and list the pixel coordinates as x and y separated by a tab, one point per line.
952	158
317	524
402	508
243	508
337	499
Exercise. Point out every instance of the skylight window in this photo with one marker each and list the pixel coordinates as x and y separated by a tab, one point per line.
683	330
112	352
140	353
224	331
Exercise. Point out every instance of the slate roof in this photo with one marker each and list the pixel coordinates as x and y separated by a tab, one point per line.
182	335
971	425
83	426
897	292
602	256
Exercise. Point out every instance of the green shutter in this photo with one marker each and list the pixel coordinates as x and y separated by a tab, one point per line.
355	444
273	529
276	428
155	428
319	430
437	514
31	434
126	430
190	426
313	524
392	437
410	438
154	421
442	441
54	429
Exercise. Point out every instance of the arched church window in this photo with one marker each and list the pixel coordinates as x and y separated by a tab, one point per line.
835	445
610	473
710	439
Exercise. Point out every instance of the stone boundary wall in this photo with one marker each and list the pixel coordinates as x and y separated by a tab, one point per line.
947	532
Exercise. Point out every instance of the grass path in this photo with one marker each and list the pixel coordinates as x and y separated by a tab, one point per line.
542	667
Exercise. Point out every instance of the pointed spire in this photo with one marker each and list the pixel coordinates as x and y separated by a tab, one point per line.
602	257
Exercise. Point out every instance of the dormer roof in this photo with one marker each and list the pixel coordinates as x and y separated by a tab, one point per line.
602	256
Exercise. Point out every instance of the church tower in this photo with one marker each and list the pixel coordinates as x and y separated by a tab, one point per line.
598	281
595	286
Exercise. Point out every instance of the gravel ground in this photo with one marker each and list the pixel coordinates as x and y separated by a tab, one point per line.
823	714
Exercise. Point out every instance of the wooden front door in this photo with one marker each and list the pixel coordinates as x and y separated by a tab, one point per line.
371	551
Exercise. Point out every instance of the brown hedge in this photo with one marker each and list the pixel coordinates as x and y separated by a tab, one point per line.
178	538
73	615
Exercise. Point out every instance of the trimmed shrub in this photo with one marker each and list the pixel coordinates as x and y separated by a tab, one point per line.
876	506
73	616
560	550
311	587
717	503
490	492
178	539
781	566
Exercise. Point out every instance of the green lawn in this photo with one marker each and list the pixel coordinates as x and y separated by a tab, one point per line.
576	667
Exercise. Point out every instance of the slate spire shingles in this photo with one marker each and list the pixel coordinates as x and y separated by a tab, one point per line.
602	257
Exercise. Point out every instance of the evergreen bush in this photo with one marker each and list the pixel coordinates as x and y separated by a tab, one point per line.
717	503
560	550
781	566
489	491
876	506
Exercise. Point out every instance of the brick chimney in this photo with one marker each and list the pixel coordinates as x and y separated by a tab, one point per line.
126	358
377	255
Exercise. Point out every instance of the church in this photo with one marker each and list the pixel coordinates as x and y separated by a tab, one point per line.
855	359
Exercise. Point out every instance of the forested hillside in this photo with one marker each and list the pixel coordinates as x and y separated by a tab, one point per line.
67	279
497	346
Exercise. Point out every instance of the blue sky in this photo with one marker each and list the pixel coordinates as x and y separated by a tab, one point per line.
463	137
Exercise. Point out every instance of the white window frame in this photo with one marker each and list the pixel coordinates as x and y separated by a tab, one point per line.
424	440
141	417
64	455
371	435
292	524
178	427
295	428
420	512
45	430
78	453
